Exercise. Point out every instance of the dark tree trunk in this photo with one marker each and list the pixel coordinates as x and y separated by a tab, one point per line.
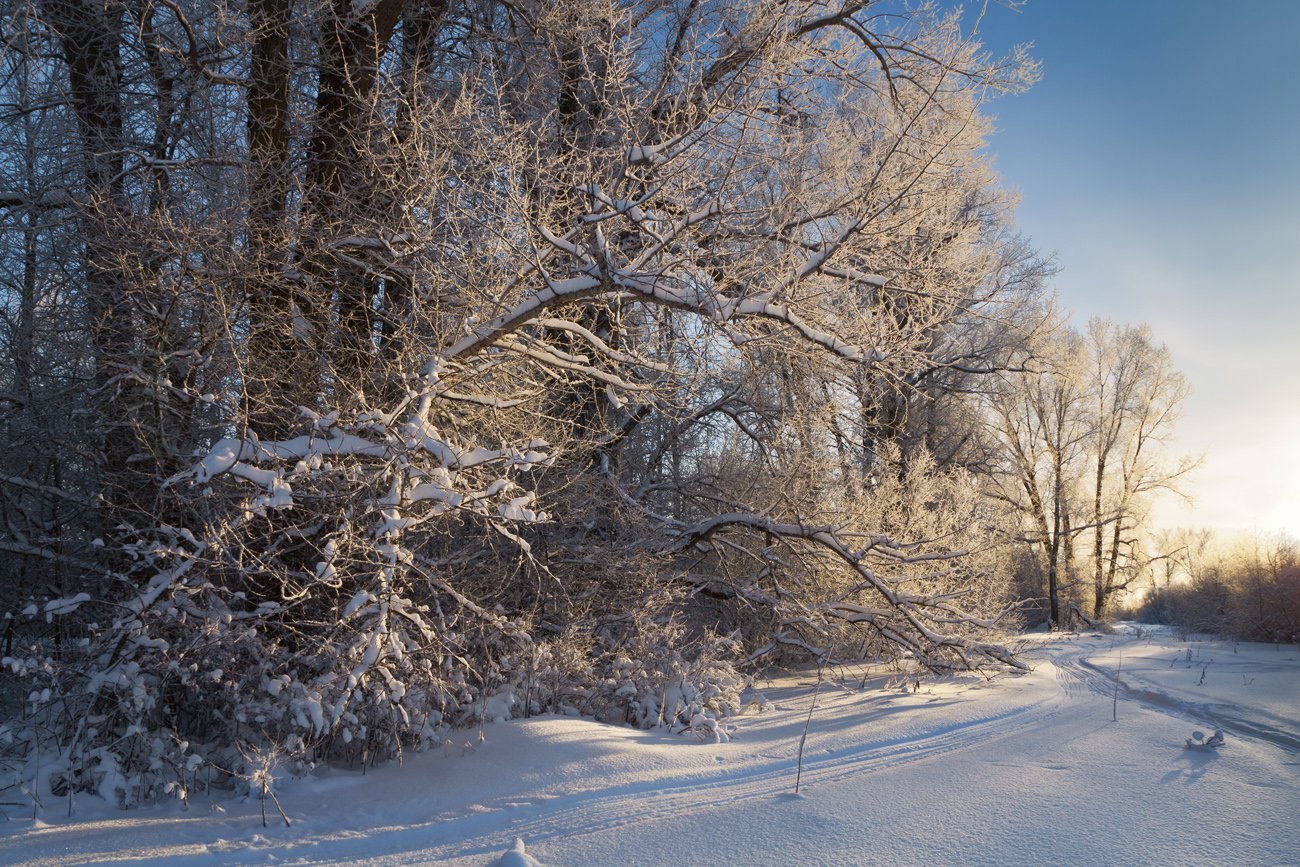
90	36
338	193
282	369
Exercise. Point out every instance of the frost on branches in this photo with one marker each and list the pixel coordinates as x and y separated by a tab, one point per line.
581	373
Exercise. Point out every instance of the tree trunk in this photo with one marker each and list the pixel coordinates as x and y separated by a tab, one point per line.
1098	556
1054	551
340	293
90	39
1107	585
282	370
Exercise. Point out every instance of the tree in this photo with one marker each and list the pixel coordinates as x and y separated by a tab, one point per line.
1136	395
1042	421
44	495
509	333
1082	442
1249	590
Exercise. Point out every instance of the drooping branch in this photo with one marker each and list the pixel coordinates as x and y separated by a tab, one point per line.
909	620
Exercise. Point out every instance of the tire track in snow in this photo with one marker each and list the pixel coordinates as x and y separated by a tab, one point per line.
1225	716
1076	672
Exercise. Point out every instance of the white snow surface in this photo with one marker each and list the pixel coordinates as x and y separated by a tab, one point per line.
1023	769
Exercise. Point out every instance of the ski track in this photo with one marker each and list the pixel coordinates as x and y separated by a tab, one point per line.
605	810
1078	678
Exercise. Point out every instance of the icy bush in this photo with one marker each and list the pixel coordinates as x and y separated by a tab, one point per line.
322	614
642	667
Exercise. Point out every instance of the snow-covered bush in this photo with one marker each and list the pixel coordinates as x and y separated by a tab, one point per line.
656	677
305	617
636	668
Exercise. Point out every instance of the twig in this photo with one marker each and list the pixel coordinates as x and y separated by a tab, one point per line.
798	775
1114	704
266	790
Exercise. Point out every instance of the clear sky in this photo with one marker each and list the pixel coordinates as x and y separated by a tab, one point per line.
1159	159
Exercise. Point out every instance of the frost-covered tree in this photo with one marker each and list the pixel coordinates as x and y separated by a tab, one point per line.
1136	396
1082	438
1041	418
454	358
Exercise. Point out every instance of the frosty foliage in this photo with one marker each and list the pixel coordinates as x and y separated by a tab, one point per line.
582	362
643	668
361	645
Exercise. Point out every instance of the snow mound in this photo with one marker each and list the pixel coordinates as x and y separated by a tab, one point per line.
515	856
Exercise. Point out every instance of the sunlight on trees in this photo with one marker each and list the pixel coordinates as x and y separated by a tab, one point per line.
1248	590
1083	441
375	369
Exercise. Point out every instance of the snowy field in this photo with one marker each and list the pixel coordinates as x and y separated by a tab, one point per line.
1026	769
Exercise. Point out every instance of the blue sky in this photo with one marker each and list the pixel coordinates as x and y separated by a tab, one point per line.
1159	158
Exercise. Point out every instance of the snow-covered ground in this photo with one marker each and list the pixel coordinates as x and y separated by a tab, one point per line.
1026	769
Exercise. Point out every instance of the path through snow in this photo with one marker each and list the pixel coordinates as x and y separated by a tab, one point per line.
1021	770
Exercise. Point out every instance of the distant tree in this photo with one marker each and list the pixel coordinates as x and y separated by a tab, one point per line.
1249	590
1041	418
1266	574
1136	395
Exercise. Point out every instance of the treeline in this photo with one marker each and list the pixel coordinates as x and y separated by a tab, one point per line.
1248	592
370	369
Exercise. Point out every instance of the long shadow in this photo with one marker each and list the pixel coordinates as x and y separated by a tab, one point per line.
1194	763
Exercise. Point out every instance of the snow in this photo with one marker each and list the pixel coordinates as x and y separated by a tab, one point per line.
517	856
645	154
517	509
220	459
64	606
1028	768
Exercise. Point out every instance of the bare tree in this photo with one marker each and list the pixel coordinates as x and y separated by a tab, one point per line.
1042	421
1248	590
1136	395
